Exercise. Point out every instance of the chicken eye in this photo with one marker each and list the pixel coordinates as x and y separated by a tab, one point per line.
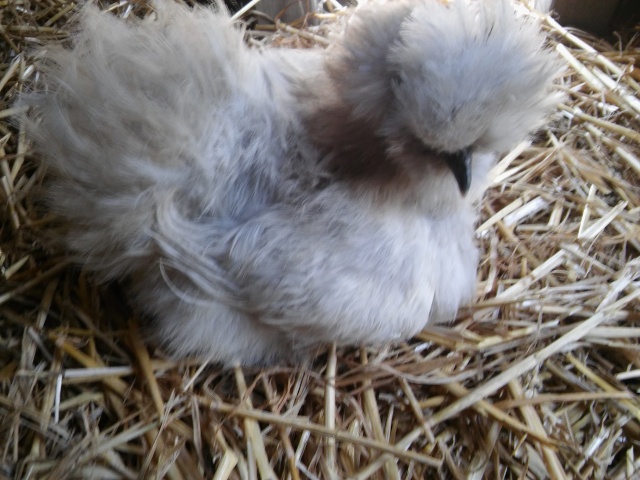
420	148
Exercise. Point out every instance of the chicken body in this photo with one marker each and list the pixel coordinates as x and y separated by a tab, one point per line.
260	203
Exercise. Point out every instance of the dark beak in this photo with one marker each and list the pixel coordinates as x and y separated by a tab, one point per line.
460	164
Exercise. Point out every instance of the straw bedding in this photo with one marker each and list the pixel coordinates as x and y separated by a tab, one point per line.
538	379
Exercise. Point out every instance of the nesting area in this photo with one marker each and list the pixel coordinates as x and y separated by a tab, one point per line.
539	378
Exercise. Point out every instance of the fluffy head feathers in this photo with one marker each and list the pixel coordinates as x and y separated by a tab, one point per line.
471	75
451	76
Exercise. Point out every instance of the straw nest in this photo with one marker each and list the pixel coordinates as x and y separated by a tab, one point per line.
538	379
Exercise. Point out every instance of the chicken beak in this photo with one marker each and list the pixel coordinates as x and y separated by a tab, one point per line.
460	164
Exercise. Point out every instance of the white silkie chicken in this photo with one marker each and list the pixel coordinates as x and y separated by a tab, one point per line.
260	203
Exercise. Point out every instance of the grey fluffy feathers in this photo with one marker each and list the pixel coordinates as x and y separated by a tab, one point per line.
259	203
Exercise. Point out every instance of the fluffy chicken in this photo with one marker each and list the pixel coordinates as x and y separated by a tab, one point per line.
258	203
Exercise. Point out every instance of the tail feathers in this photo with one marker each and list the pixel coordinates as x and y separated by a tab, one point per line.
121	123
